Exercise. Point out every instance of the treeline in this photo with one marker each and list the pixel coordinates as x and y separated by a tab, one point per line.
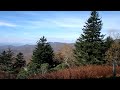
9	63
91	48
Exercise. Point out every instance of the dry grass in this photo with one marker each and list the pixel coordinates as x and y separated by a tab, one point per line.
82	72
5	75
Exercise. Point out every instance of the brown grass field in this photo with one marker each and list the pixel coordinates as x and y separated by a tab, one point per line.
5	75
82	72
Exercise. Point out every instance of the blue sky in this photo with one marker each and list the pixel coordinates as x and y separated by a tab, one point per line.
57	26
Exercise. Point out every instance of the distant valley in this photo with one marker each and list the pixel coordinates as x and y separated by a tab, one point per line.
28	49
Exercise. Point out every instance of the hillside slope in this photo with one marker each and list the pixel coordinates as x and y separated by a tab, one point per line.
28	49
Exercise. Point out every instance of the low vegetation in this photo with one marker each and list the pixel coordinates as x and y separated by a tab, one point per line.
82	72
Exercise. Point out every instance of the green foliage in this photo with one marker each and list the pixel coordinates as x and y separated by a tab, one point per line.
42	58
44	68
43	52
6	60
23	74
19	62
60	67
33	68
89	47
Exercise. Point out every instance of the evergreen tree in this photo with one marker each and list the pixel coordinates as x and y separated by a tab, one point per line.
89	47
10	57
2	61
43	53
19	62
6	60
108	42
3	58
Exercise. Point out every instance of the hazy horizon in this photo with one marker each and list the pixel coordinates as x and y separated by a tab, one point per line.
26	27
21	44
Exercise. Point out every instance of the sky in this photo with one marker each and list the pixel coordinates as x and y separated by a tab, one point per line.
57	26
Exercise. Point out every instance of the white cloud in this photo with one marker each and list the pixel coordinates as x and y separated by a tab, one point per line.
65	22
7	24
72	23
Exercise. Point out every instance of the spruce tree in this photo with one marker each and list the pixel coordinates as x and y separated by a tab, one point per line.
19	62
43	53
6	60
3	60
10	57
89	46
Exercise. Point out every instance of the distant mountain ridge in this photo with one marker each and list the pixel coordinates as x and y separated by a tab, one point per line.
28	49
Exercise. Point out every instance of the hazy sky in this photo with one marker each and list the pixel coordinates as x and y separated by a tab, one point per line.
57	26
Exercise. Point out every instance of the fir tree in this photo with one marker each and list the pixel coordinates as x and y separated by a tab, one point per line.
19	62
3	58
6	60
43	53
9	57
89	47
